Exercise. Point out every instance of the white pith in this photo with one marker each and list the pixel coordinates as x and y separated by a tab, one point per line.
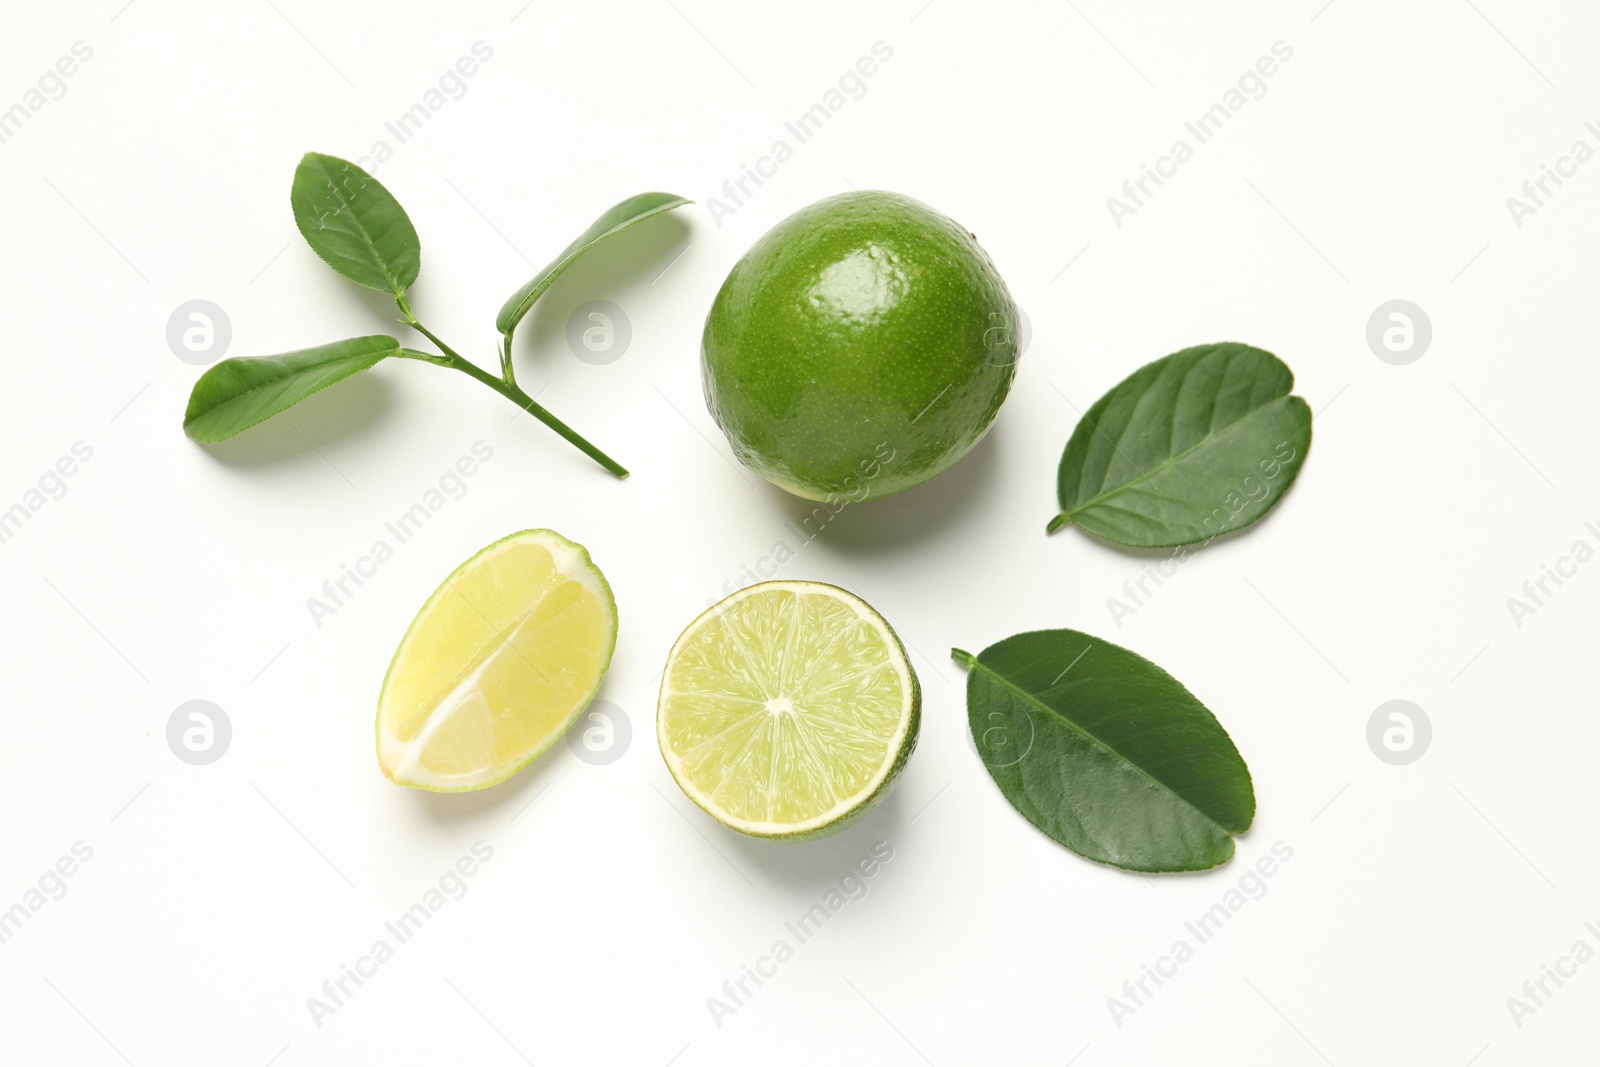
403	758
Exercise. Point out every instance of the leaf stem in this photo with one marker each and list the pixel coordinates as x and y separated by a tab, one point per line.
506	387
507	371
446	349
514	394
1059	521
966	659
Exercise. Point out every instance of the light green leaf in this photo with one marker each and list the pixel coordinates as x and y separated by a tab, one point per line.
1107	753
1198	444
351	221
237	393
618	218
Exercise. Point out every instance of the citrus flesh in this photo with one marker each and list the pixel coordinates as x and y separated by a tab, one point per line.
497	664
860	347
788	709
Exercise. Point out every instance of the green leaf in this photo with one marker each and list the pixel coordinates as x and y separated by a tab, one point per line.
351	221
237	393
618	218
1198	444
1107	753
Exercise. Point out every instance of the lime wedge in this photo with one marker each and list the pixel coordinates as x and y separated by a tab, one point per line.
497	664
788	710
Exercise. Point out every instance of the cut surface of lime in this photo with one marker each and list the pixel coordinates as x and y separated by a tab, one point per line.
788	709
497	664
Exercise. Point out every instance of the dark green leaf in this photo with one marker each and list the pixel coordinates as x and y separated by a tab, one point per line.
1198	444
632	210
236	394
352	222
1107	753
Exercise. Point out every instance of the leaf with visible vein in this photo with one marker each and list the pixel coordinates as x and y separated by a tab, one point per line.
1195	445
615	219
1107	753
355	224
238	393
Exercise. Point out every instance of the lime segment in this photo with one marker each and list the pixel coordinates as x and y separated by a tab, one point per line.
788	709
497	664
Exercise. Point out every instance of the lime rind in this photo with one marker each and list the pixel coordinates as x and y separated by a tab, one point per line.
768	668
861	346
572	562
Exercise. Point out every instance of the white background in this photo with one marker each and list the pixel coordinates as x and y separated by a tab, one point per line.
219	898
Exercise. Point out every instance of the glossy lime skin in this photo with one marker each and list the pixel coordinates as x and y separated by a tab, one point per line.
862	346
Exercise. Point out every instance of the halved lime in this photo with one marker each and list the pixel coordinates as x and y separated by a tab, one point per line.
497	664
788	710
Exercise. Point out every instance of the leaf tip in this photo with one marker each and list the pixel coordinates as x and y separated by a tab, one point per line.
311	160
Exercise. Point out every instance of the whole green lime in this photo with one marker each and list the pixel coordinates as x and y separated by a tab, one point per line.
862	346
